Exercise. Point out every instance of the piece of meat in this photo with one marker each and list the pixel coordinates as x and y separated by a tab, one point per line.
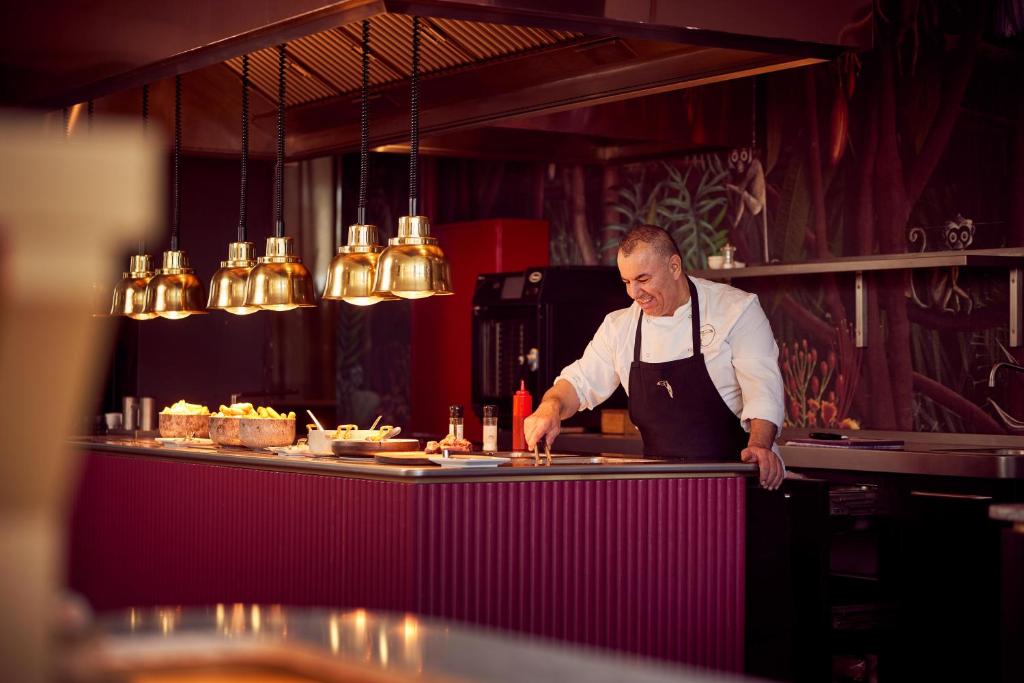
449	443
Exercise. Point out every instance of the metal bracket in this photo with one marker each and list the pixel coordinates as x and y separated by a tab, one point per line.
860	311
1016	307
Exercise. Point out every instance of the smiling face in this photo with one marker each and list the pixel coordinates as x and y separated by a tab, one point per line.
653	280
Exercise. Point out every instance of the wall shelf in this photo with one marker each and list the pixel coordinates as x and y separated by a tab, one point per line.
1012	259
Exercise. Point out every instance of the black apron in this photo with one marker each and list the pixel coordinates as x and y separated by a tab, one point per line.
677	408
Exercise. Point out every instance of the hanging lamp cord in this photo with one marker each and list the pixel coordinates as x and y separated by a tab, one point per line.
177	164
364	124
145	134
243	202
414	120
279	167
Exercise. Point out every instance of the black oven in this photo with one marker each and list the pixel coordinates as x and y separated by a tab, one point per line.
529	325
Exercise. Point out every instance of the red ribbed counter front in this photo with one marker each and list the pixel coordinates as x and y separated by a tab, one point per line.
653	566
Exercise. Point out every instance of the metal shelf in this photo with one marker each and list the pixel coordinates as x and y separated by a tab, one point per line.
976	258
1012	259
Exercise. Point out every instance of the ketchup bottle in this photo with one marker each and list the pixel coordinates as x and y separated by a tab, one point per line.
522	405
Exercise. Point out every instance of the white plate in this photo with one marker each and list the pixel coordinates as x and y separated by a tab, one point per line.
468	460
298	449
182	441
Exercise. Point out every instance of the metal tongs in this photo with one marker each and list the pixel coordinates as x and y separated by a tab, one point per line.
547	453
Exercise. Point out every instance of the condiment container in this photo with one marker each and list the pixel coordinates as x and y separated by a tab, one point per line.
455	421
522	405
490	423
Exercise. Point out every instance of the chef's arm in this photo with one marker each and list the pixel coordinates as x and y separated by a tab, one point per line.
759	450
559	402
762	433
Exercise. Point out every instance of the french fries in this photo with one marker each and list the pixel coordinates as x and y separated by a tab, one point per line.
247	410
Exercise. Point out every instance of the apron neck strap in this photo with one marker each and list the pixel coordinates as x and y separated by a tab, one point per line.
695	323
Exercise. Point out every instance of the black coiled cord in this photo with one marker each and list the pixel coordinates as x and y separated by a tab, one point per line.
145	131
364	124
414	120
243	203
177	164
279	167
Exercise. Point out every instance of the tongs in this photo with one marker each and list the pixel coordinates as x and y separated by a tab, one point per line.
536	453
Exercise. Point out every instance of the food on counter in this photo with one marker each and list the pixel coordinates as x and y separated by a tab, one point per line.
183	407
262	433
247	410
184	419
350	432
449	443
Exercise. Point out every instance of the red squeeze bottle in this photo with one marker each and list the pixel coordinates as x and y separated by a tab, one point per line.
522	405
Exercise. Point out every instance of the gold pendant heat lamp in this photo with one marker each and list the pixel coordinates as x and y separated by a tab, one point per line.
413	265
280	281
229	282
175	292
354	268
130	292
228	285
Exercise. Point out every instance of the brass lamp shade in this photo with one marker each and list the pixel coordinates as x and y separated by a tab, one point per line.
130	293
413	266
279	281
353	269
175	292
227	288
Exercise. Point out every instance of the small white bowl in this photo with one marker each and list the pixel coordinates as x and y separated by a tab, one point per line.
715	261
320	441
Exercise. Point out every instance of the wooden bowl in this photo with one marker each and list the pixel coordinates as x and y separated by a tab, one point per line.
176	425
224	430
261	432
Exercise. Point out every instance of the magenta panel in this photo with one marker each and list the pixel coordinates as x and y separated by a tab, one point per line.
651	566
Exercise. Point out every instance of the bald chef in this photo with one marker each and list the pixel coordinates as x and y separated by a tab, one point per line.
697	359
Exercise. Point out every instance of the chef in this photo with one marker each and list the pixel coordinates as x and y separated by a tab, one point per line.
697	359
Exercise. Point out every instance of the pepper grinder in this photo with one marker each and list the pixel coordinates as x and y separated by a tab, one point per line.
729	256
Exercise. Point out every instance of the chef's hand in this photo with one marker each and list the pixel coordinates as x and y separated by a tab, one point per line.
768	463
545	422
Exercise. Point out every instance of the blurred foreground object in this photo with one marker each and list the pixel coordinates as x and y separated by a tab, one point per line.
251	643
69	208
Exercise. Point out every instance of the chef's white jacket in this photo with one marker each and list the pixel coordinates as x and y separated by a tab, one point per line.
736	340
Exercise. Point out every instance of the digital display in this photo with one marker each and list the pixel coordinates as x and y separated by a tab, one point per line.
512	288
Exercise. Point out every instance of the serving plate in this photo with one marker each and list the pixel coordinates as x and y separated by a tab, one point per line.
353	449
184	441
403	458
468	460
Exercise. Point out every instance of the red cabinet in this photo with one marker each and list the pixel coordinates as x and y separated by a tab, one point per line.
441	326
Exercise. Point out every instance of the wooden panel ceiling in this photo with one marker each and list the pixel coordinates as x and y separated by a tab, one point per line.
327	64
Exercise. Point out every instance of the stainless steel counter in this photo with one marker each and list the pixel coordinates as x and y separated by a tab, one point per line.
957	455
565	466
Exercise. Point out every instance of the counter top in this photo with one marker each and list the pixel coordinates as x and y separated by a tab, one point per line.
612	466
957	455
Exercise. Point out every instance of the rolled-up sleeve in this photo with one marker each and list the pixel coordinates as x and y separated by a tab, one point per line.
594	376
755	357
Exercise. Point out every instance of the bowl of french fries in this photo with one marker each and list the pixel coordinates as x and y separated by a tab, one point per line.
184	419
266	427
224	424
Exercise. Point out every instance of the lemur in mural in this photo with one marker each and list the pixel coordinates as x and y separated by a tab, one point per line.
748	200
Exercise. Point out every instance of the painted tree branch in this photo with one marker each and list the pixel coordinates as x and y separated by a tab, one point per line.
976	418
954	87
981	319
820	332
578	201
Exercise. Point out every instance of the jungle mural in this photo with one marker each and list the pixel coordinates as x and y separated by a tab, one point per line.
917	145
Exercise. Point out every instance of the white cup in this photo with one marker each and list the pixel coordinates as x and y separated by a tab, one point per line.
320	441
113	420
715	261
